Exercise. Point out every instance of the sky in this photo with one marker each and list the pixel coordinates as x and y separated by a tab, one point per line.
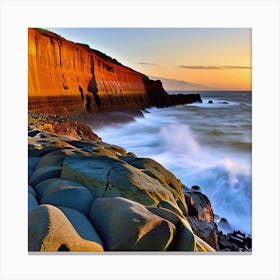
214	58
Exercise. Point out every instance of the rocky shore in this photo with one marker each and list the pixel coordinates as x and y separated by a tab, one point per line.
85	195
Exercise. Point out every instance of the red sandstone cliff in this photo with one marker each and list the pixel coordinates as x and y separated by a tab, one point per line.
66	78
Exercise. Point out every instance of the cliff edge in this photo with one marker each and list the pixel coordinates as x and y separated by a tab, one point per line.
67	78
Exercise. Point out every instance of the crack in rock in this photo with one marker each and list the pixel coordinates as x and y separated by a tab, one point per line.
108	182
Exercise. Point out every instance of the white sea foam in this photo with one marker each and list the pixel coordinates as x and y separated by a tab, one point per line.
178	138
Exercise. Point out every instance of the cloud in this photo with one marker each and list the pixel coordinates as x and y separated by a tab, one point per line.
147	63
223	67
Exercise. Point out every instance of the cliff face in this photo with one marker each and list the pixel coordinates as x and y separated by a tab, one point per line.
66	78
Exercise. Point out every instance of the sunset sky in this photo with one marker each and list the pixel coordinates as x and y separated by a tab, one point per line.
218	58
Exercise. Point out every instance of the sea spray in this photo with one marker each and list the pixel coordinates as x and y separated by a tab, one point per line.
202	144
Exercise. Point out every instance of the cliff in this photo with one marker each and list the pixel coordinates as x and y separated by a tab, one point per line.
67	78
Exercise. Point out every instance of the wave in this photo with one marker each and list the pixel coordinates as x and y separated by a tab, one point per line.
201	147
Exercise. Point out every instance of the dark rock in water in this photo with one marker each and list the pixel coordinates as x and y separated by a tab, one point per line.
225	244
224	225
196	188
207	231
130	154
200	216
199	205
34	132
217	218
210	102
224	102
235	241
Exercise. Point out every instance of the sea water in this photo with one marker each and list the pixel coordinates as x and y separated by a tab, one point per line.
204	144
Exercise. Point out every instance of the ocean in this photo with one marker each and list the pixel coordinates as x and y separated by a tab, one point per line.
204	144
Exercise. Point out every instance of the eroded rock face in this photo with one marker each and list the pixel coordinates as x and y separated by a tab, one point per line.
67	78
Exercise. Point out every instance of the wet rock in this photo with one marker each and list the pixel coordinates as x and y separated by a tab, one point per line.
224	225
199	205
207	231
34	132
196	188
235	241
200	216
210	102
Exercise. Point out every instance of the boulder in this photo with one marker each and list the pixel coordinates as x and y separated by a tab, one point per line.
49	230
207	231
32	191
43	187
108	177
68	194
32	202
201	246
125	225
33	132
199	205
201	217
54	158
44	173
184	238
224	225
32	164
170	206
81	224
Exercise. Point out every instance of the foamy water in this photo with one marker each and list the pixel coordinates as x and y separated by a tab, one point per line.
202	144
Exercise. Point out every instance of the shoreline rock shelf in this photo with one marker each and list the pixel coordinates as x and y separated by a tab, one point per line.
90	196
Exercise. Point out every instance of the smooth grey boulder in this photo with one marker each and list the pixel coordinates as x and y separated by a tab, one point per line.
32	164
44	186
184	238
32	191
54	158
32	202
44	173
125	225
67	193
81	224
